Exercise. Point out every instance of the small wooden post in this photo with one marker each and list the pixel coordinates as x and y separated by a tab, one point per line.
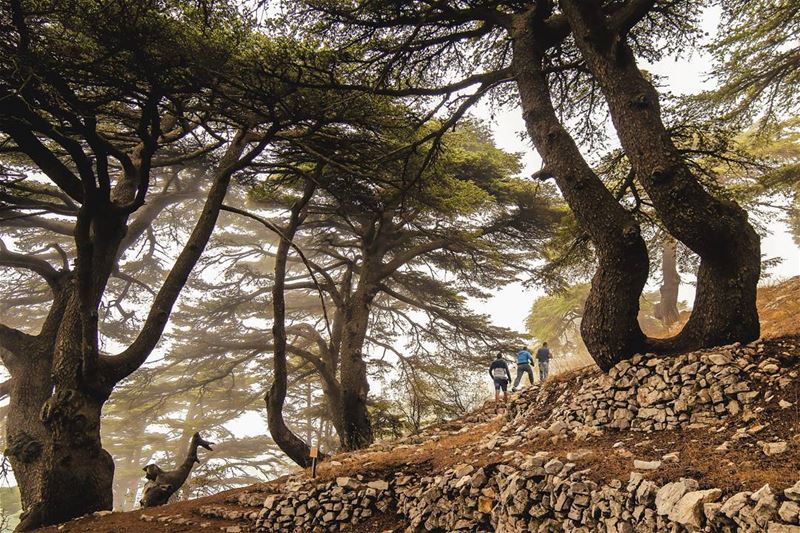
313	453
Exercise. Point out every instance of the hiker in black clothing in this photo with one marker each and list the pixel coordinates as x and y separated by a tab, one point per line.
501	376
543	355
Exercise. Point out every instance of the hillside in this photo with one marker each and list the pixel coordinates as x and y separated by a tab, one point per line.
779	308
704	441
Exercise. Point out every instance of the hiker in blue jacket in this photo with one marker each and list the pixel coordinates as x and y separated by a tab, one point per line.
543	355
524	362
501	376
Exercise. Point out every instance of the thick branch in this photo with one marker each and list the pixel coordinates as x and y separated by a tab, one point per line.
47	162
630	14
401	259
28	262
13	341
124	364
16	219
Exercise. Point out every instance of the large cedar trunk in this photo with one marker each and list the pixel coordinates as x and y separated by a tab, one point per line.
71	451
73	457
53	425
356	425
610	328
716	230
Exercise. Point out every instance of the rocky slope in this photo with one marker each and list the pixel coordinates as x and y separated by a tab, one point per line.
706	441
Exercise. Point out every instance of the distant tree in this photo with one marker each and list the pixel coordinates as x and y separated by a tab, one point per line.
376	229
777	186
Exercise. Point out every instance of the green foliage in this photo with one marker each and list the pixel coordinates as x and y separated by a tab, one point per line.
757	53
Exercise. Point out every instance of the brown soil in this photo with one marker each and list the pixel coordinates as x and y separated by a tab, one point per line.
131	522
779	308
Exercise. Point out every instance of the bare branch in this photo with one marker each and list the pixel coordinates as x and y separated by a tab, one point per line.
122	365
28	262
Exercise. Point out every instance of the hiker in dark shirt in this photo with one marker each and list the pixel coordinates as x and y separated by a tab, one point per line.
543	356
501	376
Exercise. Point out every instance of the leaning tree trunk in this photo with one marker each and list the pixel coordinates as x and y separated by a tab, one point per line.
287	441
716	230
610	328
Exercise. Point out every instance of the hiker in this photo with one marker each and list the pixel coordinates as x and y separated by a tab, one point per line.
501	376
543	356
524	362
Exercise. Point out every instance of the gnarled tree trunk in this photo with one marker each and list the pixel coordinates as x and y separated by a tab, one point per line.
610	328
716	230
60	429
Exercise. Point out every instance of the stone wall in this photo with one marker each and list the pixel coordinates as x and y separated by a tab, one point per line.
651	393
536	493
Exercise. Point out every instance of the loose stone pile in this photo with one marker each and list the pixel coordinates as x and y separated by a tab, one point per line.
537	493
651	393
460	499
304	505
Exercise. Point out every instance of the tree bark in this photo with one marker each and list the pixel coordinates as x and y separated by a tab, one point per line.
25	432
666	310
57	444
716	230
357	428
287	441
610	328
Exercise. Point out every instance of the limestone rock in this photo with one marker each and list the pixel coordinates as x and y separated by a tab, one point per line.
646	465
774	448
789	512
378	485
668	495
793	492
689	509
735	503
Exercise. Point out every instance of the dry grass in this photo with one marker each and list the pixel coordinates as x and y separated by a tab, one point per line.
779	308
